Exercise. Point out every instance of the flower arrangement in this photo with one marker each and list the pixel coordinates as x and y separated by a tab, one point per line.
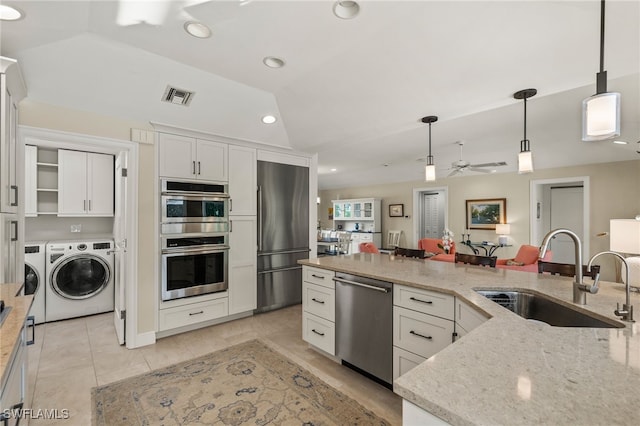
447	239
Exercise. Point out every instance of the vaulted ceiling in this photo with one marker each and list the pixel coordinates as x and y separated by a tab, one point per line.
353	90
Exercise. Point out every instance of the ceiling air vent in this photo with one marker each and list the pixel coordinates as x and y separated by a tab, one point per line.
177	96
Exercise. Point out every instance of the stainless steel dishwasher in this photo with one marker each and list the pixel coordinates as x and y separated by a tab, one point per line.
364	330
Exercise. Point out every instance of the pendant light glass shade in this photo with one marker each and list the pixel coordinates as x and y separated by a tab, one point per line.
430	173
430	168
601	117
525	162
601	112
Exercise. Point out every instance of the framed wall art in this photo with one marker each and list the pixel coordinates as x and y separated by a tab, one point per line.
396	210
486	214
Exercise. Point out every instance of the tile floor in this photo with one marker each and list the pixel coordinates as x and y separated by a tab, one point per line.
71	357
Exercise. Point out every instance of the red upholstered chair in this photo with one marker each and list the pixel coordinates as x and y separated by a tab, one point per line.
368	247
526	259
430	245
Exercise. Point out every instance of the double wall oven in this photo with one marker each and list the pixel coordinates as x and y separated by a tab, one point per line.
194	238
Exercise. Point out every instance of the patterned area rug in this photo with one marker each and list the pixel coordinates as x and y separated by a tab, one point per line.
245	384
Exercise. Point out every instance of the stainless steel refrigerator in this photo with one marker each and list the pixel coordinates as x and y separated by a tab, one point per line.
283	233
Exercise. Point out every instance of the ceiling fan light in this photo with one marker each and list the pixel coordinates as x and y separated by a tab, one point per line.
430	173
525	162
601	117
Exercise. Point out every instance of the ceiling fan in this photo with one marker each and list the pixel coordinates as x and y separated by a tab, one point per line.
460	166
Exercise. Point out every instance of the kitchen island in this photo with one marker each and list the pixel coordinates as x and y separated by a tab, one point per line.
510	370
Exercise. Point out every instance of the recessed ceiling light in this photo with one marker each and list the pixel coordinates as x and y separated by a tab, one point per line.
346	9
197	29
333	170
273	62
621	142
269	119
8	13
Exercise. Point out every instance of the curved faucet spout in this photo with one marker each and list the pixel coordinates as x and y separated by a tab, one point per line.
579	295
626	314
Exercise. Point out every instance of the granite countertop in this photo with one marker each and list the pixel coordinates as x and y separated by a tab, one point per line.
13	323
510	370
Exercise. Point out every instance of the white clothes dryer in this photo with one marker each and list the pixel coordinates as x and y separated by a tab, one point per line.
35	278
80	278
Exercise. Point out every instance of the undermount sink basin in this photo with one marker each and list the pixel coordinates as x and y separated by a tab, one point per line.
537	307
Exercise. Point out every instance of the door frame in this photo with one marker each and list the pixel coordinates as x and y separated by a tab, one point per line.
417	208
537	206
49	138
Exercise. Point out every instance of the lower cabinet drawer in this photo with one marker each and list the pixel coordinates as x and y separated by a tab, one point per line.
421	334
318	276
403	361
194	313
319	301
319	332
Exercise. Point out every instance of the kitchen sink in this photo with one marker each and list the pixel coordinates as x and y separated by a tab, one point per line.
534	306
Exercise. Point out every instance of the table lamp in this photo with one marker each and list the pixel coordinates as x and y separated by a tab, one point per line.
503	229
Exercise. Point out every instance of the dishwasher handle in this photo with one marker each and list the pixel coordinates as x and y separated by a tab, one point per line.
370	287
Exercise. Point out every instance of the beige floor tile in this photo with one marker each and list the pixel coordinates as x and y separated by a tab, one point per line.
76	355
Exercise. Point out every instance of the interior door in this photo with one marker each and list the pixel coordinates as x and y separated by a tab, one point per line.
432	221
120	238
566	212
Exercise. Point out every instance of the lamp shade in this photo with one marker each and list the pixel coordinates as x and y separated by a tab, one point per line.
430	173
624	236
601	117
525	162
503	228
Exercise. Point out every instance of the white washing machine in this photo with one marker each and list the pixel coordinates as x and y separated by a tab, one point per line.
35	278
79	278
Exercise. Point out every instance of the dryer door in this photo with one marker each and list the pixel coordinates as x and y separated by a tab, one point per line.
31	279
80	276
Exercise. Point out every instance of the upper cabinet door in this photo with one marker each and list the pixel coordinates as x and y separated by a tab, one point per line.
100	184
242	181
177	156
8	177
211	161
72	183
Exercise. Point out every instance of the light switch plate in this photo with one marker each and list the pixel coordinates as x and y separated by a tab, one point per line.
76	228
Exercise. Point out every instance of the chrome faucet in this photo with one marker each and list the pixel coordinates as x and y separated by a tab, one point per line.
579	288
626	314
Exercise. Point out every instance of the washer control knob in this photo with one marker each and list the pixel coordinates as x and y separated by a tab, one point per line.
82	247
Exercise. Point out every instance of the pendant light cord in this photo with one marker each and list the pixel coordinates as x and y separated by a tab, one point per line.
430	157
601	35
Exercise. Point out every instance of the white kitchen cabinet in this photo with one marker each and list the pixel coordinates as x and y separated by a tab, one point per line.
11	92
467	318
85	184
423	325
189	314
13	389
184	157
318	308
363	237
242	181
242	264
365	212
9	249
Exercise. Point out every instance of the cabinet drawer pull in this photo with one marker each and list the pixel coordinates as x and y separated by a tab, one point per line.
196	313
15	188
194	167
14	224
317	301
31	323
317	332
198	167
317	276
420	335
428	302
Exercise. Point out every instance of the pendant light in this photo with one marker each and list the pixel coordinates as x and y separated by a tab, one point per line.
525	158
430	168
601	112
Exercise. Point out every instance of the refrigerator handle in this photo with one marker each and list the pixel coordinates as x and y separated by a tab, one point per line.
259	218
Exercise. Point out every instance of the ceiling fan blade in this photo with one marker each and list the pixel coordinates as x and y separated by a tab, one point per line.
498	164
454	172
475	169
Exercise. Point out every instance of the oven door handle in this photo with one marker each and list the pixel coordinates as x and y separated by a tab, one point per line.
201	250
196	196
